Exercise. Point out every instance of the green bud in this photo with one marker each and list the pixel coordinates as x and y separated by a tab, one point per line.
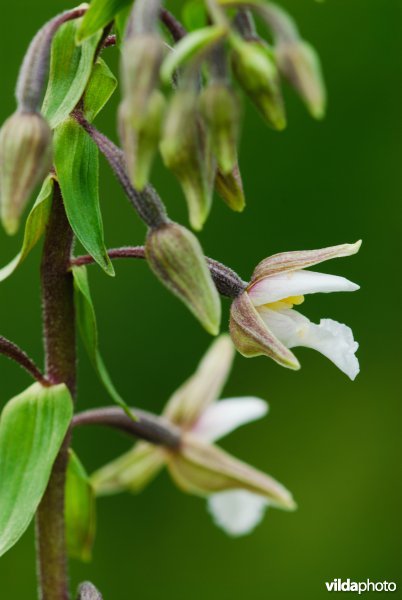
142	57
220	108
300	64
25	159
176	257
183	153
230	188
255	69
141	144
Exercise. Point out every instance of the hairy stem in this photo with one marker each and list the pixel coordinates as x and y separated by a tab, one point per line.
59	337
227	282
15	353
147	427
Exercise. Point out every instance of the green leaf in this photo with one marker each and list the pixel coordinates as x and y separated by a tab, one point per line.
195	15
196	42
121	23
34	227
100	14
80	511
70	70
77	165
88	328
32	429
99	90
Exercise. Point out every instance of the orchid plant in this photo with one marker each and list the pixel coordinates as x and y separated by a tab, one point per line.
181	87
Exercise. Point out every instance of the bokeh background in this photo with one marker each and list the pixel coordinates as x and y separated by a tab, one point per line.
334	443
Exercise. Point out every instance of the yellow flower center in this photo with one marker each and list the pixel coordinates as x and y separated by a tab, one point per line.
285	303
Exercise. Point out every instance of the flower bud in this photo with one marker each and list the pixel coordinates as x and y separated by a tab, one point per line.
140	144
204	469
251	336
299	63
182	153
176	257
141	59
25	158
220	108
230	188
255	69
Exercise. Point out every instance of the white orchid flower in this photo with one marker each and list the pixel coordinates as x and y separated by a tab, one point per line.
237	494
263	320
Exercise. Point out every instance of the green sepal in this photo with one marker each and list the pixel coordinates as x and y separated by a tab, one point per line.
100	14
32	429
34	227
70	70
80	511
88	329
77	165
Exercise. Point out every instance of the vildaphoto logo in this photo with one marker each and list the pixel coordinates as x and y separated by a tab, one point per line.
337	585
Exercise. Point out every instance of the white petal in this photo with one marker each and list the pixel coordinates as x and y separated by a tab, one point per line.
297	283
334	340
237	512
226	415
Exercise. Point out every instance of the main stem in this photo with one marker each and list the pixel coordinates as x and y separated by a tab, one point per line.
60	352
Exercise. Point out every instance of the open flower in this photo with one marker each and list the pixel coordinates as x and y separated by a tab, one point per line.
263	320
237	493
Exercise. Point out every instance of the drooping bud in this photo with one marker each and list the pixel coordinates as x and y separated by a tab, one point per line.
300	64
182	153
221	111
230	188
176	257
251	336
204	469
255	69
142	57
25	159
140	143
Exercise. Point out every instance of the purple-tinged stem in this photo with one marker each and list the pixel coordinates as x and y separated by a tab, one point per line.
176	29
15	353
227	282
60	351
147	426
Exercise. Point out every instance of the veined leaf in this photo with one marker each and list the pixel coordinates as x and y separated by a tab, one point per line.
89	332
100	14
80	511
100	88
192	44
70	70
32	429
34	227
77	165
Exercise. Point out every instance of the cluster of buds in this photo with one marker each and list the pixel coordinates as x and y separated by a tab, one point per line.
197	129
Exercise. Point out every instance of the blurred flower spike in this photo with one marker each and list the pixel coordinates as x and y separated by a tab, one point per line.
263	321
237	494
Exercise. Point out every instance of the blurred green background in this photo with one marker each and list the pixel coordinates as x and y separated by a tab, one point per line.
334	443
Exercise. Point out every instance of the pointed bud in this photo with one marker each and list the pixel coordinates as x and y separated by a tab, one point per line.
251	336
299	63
220	108
176	257
255	69
203	469
142	57
87	591
25	159
230	188
140	144
182	153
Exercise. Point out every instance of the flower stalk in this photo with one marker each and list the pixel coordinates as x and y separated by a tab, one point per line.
60	353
